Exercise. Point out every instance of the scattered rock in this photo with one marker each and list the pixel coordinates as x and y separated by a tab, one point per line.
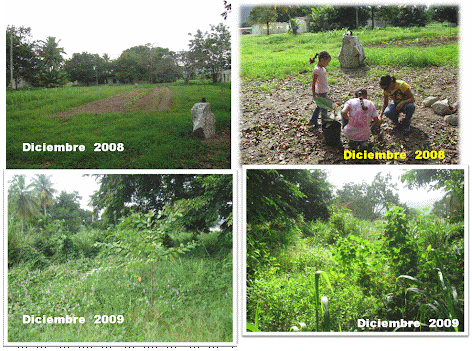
280	119
203	120
453	120
430	100
441	107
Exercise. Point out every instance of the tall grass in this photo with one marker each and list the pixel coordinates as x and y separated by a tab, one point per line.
192	301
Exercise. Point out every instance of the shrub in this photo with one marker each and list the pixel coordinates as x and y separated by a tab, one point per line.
45	244
401	247
87	242
66	248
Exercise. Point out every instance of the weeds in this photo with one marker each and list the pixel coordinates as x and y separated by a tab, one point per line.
365	266
192	301
163	294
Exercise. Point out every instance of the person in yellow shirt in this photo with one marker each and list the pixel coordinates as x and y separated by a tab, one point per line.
403	101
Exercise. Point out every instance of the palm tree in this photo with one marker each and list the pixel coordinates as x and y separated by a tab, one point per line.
22	200
44	190
51	60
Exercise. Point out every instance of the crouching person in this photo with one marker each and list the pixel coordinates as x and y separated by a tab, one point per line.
358	113
403	101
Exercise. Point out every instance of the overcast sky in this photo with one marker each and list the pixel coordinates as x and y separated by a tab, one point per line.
70	181
110	27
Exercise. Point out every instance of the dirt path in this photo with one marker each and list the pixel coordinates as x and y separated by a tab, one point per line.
140	99
158	99
273	122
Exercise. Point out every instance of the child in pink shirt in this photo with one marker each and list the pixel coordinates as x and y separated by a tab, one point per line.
358	113
319	86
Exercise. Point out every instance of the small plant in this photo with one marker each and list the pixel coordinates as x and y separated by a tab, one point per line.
330	106
401	247
321	305
142	240
254	327
442	301
293	26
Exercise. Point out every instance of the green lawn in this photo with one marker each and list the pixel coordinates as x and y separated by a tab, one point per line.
154	139
283	55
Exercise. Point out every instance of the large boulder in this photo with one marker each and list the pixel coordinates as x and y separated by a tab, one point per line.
352	53
203	120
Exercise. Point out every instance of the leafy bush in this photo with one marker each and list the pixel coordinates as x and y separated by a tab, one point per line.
87	242
46	245
66	248
401	247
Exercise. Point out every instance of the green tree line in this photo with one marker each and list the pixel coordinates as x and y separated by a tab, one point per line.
177	209
324	18
281	202
42	63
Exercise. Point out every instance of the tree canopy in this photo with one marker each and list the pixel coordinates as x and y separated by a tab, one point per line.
211	50
368	201
449	180
286	194
207	198
263	15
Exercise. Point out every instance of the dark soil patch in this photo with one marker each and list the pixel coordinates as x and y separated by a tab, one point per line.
158	99
273	126
139	99
418	42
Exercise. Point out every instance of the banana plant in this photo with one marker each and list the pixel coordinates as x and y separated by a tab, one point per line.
331	107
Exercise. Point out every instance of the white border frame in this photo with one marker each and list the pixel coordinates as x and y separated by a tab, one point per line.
361	168
233	343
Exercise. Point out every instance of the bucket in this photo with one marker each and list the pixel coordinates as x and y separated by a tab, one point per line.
332	133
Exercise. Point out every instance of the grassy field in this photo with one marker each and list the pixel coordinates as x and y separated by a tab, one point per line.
192	301
154	139
283	55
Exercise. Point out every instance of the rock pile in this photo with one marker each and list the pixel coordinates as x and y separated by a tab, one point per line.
443	108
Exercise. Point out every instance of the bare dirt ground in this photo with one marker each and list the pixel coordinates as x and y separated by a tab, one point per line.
273	125
140	99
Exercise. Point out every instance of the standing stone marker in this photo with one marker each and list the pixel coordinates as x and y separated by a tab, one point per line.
203	120
352	53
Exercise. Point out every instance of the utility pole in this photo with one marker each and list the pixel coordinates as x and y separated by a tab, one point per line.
11	60
357	17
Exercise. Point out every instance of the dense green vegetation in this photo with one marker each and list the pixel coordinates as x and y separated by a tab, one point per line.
284	55
335	272
41	63
152	139
158	276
